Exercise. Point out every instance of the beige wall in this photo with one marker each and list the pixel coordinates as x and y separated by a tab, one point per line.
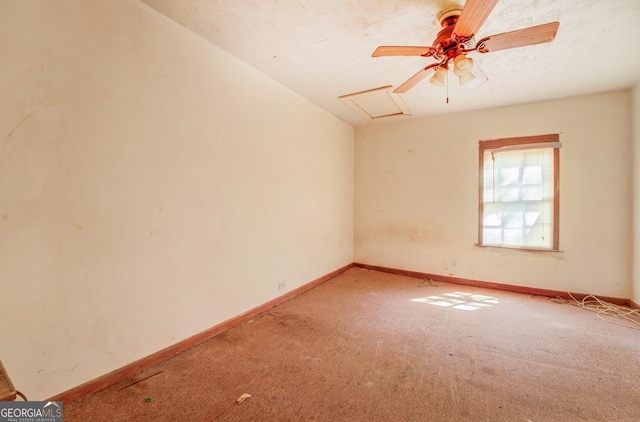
416	195
151	186
635	130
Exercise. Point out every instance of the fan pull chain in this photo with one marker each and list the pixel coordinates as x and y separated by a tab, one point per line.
447	83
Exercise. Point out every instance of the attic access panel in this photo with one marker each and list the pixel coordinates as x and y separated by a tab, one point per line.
376	103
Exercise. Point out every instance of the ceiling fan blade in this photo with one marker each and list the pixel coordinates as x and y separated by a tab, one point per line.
473	15
402	51
519	38
412	81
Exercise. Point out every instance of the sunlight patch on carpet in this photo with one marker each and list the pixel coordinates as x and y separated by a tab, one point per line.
460	300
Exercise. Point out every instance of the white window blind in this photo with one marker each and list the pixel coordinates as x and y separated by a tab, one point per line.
518	196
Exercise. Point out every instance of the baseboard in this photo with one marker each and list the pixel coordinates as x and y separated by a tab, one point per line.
633	304
496	286
111	378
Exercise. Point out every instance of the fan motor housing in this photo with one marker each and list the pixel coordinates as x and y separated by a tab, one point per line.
449	17
445	44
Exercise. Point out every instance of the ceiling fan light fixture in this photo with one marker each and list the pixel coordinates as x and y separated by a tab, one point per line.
462	65
440	77
466	78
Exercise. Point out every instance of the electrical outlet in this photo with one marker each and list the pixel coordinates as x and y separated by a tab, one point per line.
454	263
281	285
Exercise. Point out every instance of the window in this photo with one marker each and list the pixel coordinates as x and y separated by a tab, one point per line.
519	194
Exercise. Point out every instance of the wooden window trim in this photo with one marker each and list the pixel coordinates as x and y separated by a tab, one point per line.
537	139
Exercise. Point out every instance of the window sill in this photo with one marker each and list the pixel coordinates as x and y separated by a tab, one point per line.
516	249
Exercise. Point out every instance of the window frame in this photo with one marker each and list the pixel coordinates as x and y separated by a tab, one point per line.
492	144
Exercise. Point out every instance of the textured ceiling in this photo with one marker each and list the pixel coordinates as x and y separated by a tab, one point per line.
321	49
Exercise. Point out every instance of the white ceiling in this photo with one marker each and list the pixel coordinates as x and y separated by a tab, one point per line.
321	49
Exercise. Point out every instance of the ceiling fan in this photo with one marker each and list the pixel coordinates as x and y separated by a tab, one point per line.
457	39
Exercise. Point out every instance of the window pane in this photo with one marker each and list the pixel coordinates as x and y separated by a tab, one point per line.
513	220
531	217
532	175
492	236
512	237
531	193
509	176
493	219
509	194
487	187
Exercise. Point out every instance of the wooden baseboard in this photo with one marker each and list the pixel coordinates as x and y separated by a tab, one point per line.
164	354
534	291
633	304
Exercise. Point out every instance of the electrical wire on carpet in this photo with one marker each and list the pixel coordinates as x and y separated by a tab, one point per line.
428	280
615	314
559	300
